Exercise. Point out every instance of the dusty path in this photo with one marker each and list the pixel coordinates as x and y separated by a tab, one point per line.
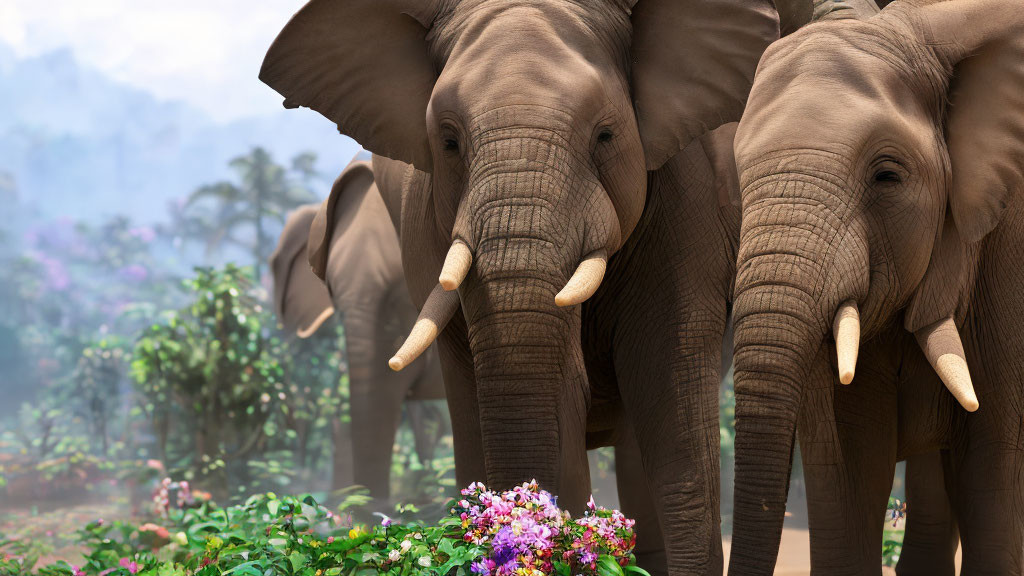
795	555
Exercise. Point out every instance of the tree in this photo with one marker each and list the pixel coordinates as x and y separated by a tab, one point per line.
237	213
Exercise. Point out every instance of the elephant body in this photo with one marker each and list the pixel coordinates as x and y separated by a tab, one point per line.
665	296
365	287
881	161
561	224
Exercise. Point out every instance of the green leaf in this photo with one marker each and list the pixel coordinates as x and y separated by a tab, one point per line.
607	566
635	570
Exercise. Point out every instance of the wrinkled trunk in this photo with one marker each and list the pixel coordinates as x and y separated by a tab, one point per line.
779	323
531	381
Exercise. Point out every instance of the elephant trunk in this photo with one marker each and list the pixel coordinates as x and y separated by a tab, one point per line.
537	238
786	299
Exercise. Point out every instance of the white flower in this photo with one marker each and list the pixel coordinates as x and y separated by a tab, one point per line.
394	556
424	561
405	546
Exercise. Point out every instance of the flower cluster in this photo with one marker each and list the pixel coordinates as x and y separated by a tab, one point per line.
171	495
526	534
601	532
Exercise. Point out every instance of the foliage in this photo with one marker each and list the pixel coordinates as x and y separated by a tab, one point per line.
892	537
215	361
296	536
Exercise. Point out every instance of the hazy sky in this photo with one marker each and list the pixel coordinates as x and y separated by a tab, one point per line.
206	52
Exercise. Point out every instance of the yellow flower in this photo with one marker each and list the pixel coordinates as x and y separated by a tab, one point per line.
354	533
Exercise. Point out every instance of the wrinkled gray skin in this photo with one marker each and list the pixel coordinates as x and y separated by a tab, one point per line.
880	162
365	289
544	132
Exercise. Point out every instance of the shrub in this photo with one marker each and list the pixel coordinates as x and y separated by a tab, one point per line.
519	531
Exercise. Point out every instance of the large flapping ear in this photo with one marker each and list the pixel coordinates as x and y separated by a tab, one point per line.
301	301
391	176
322	229
984	40
794	14
693	65
364	65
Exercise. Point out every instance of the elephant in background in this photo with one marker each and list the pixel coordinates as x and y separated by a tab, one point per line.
881	161
554	209
366	289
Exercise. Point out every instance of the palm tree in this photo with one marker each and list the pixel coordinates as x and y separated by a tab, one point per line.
230	213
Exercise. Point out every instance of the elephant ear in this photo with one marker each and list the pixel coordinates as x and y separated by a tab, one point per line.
301	301
693	65
391	176
322	229
984	39
364	65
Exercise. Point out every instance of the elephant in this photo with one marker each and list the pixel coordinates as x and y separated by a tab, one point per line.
366	287
551	199
875	312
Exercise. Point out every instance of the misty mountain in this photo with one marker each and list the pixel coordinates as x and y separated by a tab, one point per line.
78	143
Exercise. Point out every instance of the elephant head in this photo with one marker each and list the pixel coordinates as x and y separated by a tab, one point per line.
301	300
536	121
874	153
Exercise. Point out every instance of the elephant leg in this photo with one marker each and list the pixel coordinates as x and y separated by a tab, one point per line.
375	399
931	539
427	421
637	503
986	464
669	386
848	445
463	406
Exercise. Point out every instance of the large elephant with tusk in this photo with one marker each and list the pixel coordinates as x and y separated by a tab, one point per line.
363	286
562	232
881	162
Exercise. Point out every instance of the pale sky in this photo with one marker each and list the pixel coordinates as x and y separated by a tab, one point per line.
206	52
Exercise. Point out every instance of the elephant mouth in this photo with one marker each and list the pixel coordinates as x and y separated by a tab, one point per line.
443	301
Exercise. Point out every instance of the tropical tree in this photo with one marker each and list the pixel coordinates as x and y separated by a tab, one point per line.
246	213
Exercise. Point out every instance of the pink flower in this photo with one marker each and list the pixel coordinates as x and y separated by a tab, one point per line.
130	564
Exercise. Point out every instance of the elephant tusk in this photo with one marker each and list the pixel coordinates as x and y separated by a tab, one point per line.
846	329
456	265
437	311
945	352
315	325
585	281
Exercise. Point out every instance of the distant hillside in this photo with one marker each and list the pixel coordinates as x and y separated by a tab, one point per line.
81	144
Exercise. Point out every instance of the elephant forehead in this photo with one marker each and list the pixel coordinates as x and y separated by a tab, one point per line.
836	86
545	54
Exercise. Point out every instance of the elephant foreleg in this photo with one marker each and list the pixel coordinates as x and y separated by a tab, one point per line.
463	406
931	539
376	396
637	503
848	445
669	387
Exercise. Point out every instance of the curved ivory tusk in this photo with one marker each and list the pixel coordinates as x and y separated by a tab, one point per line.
315	325
437	311
456	265
846	329
945	352
585	281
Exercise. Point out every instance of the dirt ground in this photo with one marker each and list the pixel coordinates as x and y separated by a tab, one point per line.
795	555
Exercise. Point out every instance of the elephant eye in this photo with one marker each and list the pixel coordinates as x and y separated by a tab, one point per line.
888	177
451	145
605	135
